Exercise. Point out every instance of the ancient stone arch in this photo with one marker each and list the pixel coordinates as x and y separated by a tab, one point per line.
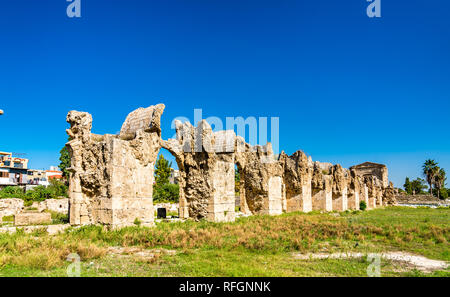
111	176
206	163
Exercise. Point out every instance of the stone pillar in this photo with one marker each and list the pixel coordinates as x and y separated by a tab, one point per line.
221	206
242	196
340	190
380	198
372	185
206	163
340	202
389	195
297	179
354	190
322	189
183	208
111	176
273	204
366	194
263	178
283	198
353	201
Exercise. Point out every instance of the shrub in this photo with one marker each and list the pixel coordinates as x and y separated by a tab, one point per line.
443	193
166	193
8	219
362	205
59	218
40	193
56	189
12	192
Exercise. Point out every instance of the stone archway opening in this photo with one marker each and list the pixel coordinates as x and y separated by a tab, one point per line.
166	188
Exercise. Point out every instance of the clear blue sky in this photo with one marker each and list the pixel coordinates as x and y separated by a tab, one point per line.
347	88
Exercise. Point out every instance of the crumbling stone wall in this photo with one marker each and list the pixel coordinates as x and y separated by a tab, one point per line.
389	195
322	191
262	177
10	206
355	188
375	191
206	163
340	187
297	178
111	176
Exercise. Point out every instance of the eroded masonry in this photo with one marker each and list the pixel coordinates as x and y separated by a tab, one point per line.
111	176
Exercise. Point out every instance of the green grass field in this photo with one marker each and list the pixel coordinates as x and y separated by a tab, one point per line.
253	246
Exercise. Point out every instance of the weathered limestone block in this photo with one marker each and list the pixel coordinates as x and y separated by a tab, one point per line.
389	195
10	206
206	167
375	191
298	171
56	205
354	191
340	188
262	177
146	119
322	188
32	218
365	193
379	201
111	176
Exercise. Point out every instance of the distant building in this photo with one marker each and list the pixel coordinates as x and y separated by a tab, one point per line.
43	177
54	168
54	173
373	169
174	176
37	177
13	171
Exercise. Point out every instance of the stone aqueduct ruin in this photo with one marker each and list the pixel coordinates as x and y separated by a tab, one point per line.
111	176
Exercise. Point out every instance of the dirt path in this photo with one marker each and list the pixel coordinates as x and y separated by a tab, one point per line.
419	262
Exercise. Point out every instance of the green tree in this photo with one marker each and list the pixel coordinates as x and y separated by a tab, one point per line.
439	181
163	191
237	181
430	169
166	193
64	158
162	171
418	186
444	193
407	186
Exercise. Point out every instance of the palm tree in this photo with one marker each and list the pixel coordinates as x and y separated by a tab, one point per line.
430	169
439	181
